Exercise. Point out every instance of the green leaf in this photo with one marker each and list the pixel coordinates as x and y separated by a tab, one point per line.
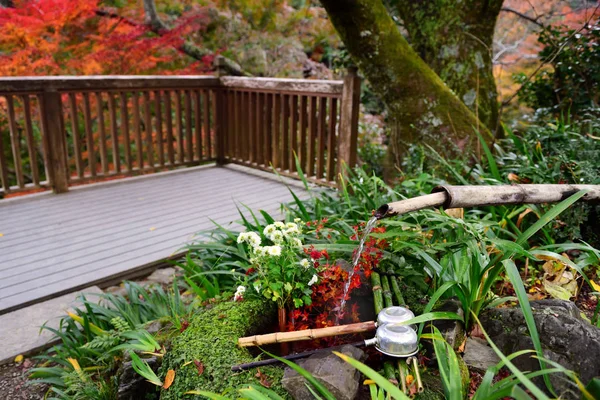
515	279
518	374
373	375
490	157
210	395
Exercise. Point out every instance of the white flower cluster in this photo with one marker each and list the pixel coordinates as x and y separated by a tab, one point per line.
277	232
251	238
313	280
239	293
305	263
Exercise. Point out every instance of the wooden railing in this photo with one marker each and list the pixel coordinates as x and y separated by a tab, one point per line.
60	131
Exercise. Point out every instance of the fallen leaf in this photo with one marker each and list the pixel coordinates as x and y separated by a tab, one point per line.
19	359
152	229
409	379
1	234
513	177
263	379
169	379
200	367
184	326
461	348
557	291
595	286
523	215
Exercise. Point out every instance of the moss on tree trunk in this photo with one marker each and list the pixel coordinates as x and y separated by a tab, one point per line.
455	38
421	107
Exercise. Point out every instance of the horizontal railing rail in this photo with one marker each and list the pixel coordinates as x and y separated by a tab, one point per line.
60	131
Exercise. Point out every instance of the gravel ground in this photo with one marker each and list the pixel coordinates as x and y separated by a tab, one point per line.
13	382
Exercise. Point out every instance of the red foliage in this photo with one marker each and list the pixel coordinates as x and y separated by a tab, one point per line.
77	37
328	293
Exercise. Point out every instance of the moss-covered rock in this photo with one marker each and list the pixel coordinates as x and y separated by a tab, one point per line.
211	339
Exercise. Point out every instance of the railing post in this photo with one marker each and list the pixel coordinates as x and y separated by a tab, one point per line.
347	143
220	107
54	141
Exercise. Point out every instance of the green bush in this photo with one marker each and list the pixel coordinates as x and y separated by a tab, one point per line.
211	339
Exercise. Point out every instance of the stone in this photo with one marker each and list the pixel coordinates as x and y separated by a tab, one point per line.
479	355
566	338
119	290
20	333
453	331
339	377
133	386
163	276
153	327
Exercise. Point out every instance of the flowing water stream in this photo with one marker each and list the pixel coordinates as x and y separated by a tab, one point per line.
361	246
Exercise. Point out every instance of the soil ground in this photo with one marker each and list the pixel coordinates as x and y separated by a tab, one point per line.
14	384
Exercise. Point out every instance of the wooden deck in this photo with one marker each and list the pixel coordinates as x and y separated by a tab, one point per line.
54	244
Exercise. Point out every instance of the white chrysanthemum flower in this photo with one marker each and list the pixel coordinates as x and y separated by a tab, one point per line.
313	280
260	251
274	251
276	237
291	225
269	229
239	293
279	224
305	263
253	239
297	243
292	231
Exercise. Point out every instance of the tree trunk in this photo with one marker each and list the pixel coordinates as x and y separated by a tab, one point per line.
455	38
421	107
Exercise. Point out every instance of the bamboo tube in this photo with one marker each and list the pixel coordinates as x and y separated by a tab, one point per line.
306	334
415	363
387	294
482	195
377	296
402	376
396	290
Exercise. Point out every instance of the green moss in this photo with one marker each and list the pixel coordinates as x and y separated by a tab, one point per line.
414	298
433	387
211	339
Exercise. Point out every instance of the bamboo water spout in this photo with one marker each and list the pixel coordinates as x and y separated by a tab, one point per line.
448	196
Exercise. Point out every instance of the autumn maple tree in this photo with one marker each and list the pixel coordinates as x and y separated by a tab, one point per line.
80	37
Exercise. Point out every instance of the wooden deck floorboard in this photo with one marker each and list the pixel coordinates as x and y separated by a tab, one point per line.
54	244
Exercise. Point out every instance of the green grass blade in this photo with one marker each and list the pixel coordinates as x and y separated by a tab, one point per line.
490	157
382	382
515	279
315	383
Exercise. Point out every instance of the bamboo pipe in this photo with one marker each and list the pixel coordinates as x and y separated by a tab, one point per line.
306	334
448	196
271	361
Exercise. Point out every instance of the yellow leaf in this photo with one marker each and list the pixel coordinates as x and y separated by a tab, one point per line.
19	359
368	382
75	364
152	229
595	286
169	379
